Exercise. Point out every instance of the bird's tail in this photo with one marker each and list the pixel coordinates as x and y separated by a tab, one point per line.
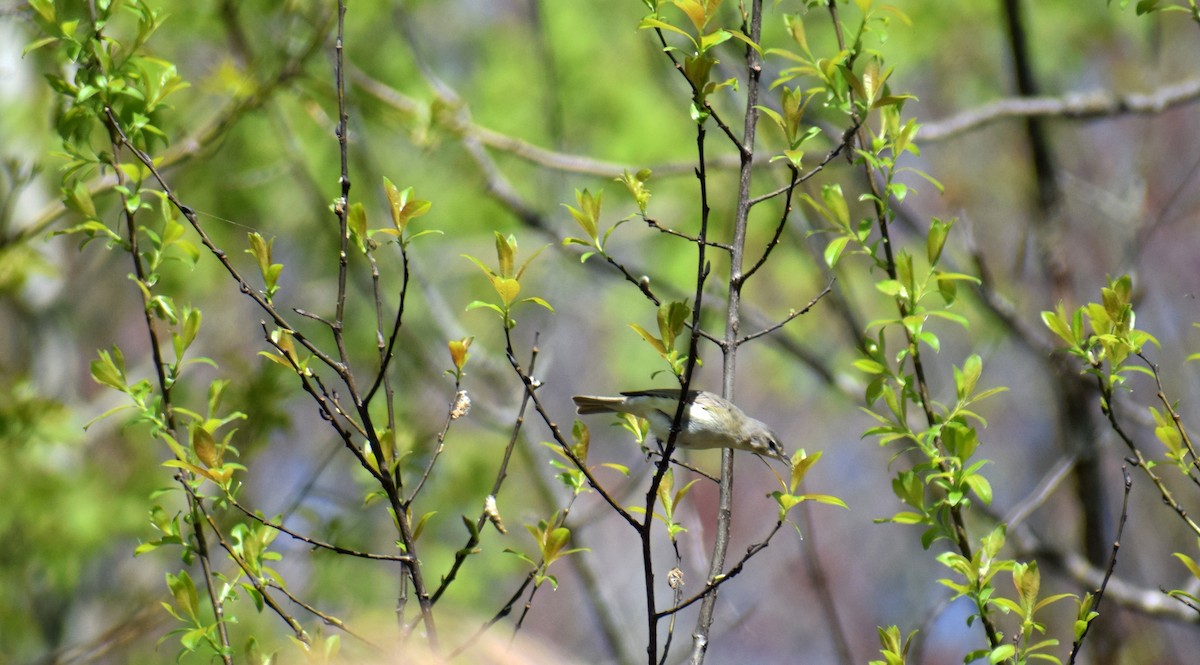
585	404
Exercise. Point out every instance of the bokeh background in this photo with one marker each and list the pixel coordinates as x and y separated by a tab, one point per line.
496	111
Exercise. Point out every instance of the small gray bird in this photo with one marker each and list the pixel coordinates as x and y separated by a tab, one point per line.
709	421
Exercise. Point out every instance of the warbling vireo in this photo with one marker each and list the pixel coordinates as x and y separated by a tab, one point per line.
709	421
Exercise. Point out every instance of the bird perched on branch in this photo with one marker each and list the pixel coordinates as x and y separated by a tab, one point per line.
709	421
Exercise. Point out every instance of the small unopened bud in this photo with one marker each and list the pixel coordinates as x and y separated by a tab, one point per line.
675	578
462	405
644	285
493	515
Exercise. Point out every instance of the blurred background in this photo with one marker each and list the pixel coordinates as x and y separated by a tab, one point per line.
496	111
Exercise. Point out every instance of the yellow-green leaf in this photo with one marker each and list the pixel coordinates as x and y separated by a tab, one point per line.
507	288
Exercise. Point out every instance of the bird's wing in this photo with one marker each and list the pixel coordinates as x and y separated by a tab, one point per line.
661	400
661	393
586	404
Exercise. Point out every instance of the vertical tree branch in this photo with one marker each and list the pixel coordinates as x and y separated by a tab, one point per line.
645	529
883	219
117	138
700	638
341	206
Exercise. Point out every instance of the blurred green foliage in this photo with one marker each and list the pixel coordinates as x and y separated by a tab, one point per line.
250	147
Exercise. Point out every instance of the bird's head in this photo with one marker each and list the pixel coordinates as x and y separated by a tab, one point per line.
762	441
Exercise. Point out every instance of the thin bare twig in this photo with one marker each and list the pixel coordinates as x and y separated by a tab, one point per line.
531	390
733	138
460	556
1139	460
504	611
1112	561
256	580
653	223
440	444
714	582
791	315
313	541
327	619
797	179
1175	418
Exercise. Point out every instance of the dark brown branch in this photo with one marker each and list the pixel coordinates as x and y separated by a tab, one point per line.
1139	460
312	541
327	619
531	390
846	140
792	315
386	355
504	611
460	556
741	148
1112	560
958	528
117	139
714	583
455	407
256	581
652	223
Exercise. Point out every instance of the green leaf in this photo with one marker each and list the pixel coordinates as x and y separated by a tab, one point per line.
260	249
801	463
521	270
476	304
538	301
419	527
869	366
654	341
966	378
507	288
458	351
204	446
891	287
486	270
184	592
671	319
907	518
981	487
833	251
588	213
835	201
109	369
655	24
827	499
79	199
738	34
404	207
1002	653
773	115
356	224
1190	563
45	9
506	249
719	37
